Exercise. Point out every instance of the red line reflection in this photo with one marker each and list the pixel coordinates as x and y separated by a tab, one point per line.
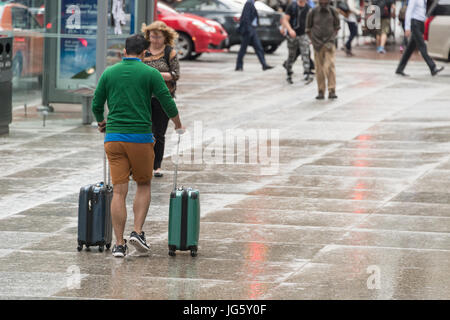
359	191
256	256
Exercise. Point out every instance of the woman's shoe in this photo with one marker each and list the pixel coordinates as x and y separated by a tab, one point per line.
159	174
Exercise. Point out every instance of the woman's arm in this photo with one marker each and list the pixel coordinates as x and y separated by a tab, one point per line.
174	66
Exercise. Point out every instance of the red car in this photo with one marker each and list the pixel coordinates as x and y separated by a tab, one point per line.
28	42
196	34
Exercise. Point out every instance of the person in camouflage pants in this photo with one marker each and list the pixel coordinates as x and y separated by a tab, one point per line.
298	42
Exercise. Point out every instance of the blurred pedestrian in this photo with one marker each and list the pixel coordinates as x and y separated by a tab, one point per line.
298	42
247	28
414	29
387	8
128	87
351	17
401	21
161	56
322	26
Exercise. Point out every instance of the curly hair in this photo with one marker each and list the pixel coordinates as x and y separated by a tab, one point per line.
170	35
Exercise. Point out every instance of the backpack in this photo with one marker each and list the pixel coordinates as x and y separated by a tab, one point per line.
383	5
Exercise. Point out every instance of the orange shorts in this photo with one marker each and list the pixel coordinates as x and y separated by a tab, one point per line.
127	158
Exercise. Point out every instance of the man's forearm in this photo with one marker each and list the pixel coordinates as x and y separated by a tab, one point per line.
285	23
177	121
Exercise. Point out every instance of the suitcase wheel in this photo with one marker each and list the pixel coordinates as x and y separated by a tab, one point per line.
101	248
172	253
194	254
87	248
108	246
80	248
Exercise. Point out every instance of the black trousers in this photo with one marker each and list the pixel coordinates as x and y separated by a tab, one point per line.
353	27
416	41
160	122
250	38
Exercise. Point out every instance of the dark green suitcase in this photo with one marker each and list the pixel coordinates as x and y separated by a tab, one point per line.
184	217
184	221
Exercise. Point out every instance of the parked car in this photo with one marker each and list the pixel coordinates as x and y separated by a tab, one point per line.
197	34
228	13
437	30
28	42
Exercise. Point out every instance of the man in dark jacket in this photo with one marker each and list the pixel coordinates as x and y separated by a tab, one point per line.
247	28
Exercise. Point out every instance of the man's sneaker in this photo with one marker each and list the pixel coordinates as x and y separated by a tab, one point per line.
381	50
308	78
120	251
139	242
289	80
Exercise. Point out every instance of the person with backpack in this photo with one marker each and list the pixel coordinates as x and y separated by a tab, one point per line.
387	10
351	16
322	26
298	42
161	56
128	87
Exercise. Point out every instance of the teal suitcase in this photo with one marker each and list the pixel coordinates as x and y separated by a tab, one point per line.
184	218
184	221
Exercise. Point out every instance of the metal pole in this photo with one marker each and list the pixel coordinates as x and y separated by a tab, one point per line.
151	11
102	36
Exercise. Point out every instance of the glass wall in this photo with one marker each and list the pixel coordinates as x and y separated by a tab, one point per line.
55	43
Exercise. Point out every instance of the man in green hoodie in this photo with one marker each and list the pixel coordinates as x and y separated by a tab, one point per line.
128	88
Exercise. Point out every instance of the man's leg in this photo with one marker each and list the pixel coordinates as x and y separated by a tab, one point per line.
119	211
141	157
406	55
318	58
256	44
417	30
120	173
292	44
305	52
245	39
330	57
353	27
141	205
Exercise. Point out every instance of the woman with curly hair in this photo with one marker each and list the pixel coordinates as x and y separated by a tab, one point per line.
161	56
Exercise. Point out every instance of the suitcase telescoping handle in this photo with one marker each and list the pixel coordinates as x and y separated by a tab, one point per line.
175	177
106	169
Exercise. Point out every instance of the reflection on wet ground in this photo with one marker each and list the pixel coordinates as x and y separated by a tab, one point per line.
357	187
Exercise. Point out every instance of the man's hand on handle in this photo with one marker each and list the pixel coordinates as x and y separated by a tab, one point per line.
178	126
407	33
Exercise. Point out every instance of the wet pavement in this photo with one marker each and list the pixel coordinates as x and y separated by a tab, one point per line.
345	199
